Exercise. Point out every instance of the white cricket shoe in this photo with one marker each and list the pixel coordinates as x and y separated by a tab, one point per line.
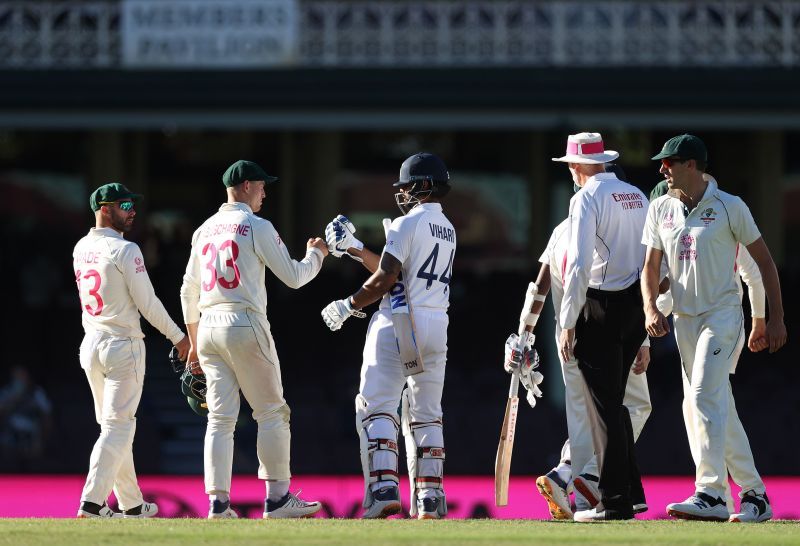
385	502
221	510
589	488
599	513
753	509
290	506
700	506
554	491
92	510
144	510
431	508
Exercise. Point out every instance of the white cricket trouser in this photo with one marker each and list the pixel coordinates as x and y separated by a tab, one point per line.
236	351
578	449
115	369
709	345
738	456
382	378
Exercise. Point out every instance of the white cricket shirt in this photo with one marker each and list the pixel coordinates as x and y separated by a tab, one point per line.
700	248
114	287
605	250
424	241
226	269
555	255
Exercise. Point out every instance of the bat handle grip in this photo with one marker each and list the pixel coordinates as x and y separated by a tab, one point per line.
513	388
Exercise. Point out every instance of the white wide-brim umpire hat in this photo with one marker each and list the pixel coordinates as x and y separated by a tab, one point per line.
587	148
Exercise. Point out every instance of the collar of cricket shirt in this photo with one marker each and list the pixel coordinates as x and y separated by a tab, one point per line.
236	206
106	232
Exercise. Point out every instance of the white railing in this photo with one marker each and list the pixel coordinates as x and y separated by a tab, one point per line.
371	33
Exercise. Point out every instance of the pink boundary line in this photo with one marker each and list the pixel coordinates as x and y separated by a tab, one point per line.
41	496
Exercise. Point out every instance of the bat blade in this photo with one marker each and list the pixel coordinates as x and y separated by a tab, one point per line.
502	465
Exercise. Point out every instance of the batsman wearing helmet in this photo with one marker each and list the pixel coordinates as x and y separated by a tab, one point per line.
411	275
114	288
224	302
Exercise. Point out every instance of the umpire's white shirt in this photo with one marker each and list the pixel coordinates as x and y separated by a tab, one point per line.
114	287
424	241
605	251
700	248
226	267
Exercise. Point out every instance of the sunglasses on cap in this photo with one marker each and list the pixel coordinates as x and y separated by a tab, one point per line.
125	206
670	161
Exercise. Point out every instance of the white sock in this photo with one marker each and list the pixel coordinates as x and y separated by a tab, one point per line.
564	472
219	496
277	489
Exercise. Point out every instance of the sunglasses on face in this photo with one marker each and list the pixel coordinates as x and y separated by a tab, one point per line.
125	206
670	161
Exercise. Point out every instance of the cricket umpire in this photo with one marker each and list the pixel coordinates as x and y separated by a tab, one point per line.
601	308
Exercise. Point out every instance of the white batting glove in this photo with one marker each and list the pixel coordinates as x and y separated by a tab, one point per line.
339	236
514	358
336	312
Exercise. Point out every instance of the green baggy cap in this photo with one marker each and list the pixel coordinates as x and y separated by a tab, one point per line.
110	193
684	147
245	170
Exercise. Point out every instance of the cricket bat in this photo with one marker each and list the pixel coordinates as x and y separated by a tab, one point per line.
502	463
403	322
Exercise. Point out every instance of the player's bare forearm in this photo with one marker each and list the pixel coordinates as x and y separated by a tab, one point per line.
769	274
776	329
379	283
655	322
370	260
191	358
650	284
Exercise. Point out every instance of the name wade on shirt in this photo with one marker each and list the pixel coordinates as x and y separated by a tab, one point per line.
629	201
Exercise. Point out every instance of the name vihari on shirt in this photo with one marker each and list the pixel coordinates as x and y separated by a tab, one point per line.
629	200
216	229
441	232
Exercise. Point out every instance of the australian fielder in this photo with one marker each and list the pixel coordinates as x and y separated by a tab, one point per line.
114	288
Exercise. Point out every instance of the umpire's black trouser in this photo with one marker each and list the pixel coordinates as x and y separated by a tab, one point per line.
608	335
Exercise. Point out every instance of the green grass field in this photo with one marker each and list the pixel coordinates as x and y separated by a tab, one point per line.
379	533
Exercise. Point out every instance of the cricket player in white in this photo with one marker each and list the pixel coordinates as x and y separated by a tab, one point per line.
421	246
697	228
578	464
114	288
738	457
224	302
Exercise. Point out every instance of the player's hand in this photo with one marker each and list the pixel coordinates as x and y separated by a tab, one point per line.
183	348
514	357
758	335
655	323
776	334
193	362
566	343
336	312
339	237
642	360
316	242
